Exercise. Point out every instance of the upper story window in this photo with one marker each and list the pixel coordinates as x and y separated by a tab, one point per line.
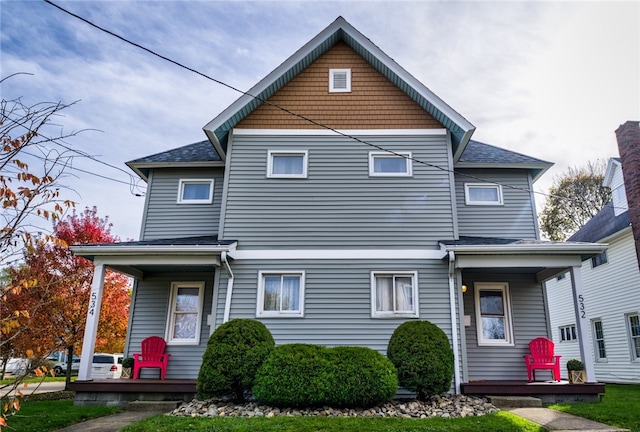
339	80
195	191
599	259
280	294
287	164
483	194
390	164
493	314
185	313
394	294
568	333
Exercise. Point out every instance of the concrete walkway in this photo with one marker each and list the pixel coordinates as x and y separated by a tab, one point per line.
110	423
557	421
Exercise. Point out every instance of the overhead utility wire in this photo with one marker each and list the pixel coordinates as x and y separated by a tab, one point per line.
314	122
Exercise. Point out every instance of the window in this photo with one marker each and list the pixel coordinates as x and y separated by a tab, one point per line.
483	194
185	313
197	191
339	80
390	164
599	259
561	276
633	331
394	295
287	164
280	294
493	315
568	333
598	340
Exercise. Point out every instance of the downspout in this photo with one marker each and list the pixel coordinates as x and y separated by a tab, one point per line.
454	323
227	303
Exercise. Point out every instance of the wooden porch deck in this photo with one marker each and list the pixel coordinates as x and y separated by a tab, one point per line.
548	391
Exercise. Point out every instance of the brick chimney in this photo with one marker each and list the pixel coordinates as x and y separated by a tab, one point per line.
628	136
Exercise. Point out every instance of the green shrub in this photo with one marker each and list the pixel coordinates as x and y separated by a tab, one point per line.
234	353
423	356
127	363
575	365
312	375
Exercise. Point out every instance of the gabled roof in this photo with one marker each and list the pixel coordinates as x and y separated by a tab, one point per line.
602	225
194	155
481	155
339	31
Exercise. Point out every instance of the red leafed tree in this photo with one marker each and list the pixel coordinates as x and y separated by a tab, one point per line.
62	284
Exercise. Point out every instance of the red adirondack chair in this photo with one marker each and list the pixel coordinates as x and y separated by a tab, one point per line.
542	357
152	356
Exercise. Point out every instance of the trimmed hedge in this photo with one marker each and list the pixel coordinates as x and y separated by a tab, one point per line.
303	375
423	356
234	353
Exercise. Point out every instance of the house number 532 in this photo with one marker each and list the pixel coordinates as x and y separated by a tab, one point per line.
581	306
92	303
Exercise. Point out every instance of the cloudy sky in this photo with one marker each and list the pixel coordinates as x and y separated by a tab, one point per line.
552	80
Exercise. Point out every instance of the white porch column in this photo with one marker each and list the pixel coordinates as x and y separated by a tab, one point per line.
93	315
582	323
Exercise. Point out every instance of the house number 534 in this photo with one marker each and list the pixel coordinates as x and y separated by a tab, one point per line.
581	306
92	303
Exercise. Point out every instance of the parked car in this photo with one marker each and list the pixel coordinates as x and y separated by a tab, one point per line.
17	366
60	367
106	366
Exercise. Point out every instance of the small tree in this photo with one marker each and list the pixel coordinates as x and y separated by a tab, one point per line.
234	353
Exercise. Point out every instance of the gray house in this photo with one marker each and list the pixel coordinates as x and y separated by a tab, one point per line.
334	201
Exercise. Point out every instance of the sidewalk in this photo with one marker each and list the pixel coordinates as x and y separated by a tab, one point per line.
558	421
110	423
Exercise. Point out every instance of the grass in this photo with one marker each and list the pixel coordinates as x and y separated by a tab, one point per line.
619	407
499	422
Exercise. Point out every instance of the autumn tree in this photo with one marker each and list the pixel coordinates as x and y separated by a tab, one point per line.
59	297
574	198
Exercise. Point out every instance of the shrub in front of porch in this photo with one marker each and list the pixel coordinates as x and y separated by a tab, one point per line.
421	352
304	375
234	353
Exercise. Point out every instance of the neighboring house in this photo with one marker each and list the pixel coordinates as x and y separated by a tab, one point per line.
368	207
611	290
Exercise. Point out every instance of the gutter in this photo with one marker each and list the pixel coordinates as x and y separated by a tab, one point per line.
227	302
454	323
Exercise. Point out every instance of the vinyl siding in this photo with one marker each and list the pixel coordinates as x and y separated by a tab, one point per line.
165	218
515	219
529	322
611	290
339	204
150	308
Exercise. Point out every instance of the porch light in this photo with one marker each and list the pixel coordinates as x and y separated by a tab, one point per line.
464	289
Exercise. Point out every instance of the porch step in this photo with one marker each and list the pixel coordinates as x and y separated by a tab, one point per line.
515	401
159	406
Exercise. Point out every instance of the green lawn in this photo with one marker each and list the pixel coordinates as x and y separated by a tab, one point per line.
619	407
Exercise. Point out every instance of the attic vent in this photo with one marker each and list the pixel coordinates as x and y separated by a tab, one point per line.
339	80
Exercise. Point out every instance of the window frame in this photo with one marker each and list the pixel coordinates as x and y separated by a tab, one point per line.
171	315
261	313
406	155
596	341
270	165
183	182
600	259
469	201
332	87
414	313
568	333
503	287
634	340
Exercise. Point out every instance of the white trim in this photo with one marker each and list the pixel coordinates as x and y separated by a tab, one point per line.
328	132
503	287
408	163
497	187
332	74
261	313
596	348
305	162
175	286
184	182
414	292
338	254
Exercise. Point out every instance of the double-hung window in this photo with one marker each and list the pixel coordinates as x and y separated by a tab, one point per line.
195	191
394	294
493	313
483	194
568	333
385	164
280	294
185	313
599	259
598	340
633	332
287	164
